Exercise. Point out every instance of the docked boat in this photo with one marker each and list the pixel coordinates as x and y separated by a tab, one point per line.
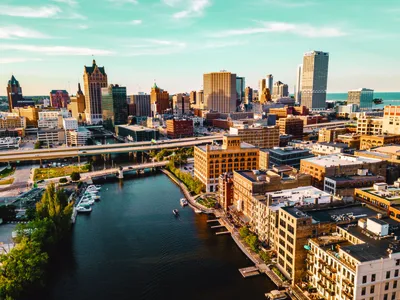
197	211
93	187
378	100
86	200
94	196
175	212
183	202
276	295
83	209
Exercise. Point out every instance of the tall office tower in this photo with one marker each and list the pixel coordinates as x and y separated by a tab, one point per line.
362	97
270	81
297	93
314	79
240	87
14	95
280	90
142	102
77	105
113	103
220	91
59	98
94	78
248	95
180	104
262	84
159	100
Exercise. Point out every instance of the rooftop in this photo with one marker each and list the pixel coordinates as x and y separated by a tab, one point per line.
301	196
336	145
341	214
345	178
137	128
335	160
288	150
395	149
243	145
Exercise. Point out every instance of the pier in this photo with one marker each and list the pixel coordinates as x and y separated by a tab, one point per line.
222	232
249	271
217	226
213	220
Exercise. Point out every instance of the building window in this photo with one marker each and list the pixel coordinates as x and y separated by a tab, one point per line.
395	284
364	279
373	276
396	273
397	262
394	296
387	274
372	289
363	291
385	297
386	286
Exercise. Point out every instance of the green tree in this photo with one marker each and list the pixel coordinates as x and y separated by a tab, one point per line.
7	213
244	232
22	268
75	176
63	180
37	145
253	242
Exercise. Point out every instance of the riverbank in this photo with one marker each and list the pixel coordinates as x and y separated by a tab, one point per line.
251	255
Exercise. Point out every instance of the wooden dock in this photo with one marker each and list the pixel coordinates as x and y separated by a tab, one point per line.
217	226
249	271
213	220
222	232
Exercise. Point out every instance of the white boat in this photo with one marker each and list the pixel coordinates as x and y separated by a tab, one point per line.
175	212
276	295
183	202
93	187
86	201
83	209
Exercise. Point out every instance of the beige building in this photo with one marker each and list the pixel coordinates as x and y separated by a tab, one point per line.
388	153
31	114
77	105
359	262
339	164
264	159
330	135
94	78
391	120
362	97
220	91
259	136
369	125
211	161
291	125
11	121
371	141
280	90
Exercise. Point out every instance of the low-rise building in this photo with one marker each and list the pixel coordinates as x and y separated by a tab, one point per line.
330	148
263	159
339	164
330	135
351	139
390	154
358	261
210	161
51	136
259	136
372	141
30	113
369	126
178	128
288	156
78	137
70	123
291	125
136	133
391	120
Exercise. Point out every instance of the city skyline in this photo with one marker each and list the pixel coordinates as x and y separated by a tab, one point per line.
46	44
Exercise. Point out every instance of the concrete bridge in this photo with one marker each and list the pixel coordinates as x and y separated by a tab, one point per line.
65	152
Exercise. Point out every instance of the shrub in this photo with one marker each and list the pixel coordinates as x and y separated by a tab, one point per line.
75	176
63	180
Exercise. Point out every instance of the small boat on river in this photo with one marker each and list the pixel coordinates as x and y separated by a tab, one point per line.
175	212
183	202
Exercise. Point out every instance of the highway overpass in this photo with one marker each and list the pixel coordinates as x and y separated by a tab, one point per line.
57	153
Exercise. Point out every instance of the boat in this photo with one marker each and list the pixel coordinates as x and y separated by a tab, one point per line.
183	202
276	295
175	212
378	100
93	187
83	209
86	200
197	211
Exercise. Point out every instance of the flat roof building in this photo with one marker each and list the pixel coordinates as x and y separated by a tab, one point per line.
136	133
288	156
259	136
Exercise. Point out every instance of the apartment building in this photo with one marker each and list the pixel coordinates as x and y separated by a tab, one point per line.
391	119
369	125
263	159
291	125
178	128
210	161
390	154
339	164
78	137
259	136
330	135
359	261
329	148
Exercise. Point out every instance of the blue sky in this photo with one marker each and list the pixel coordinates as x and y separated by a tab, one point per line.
46	43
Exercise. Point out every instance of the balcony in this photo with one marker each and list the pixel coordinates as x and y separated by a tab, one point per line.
347	281
332	269
348	294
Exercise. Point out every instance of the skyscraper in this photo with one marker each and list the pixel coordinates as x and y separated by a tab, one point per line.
269	81
280	90
240	87
159	100
297	93
314	79
14	95
94	78
362	97
142	102
262	84
220	91
114	106
248	96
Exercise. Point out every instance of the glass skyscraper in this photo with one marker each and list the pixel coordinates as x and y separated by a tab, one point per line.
240	89
114	105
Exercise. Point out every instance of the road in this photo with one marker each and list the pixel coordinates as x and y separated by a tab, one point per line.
21	182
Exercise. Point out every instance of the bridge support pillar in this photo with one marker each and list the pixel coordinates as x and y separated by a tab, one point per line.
120	174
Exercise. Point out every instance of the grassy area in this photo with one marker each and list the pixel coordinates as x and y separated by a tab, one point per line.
6	181
7	172
207	202
46	173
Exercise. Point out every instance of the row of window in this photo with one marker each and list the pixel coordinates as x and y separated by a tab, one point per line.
388	273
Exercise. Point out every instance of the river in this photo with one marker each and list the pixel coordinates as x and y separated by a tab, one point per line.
132	247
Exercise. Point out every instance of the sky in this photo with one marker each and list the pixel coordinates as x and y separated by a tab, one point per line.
46	43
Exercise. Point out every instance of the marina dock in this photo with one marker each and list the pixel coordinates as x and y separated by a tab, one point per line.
222	232
217	226
213	220
249	271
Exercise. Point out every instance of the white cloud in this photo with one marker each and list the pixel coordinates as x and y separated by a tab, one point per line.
17	32
305	30
12	60
216	45
30	12
55	50
171	3
135	22
83	27
194	8
120	2
67	2
147	47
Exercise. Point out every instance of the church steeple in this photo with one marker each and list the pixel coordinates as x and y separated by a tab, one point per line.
79	92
